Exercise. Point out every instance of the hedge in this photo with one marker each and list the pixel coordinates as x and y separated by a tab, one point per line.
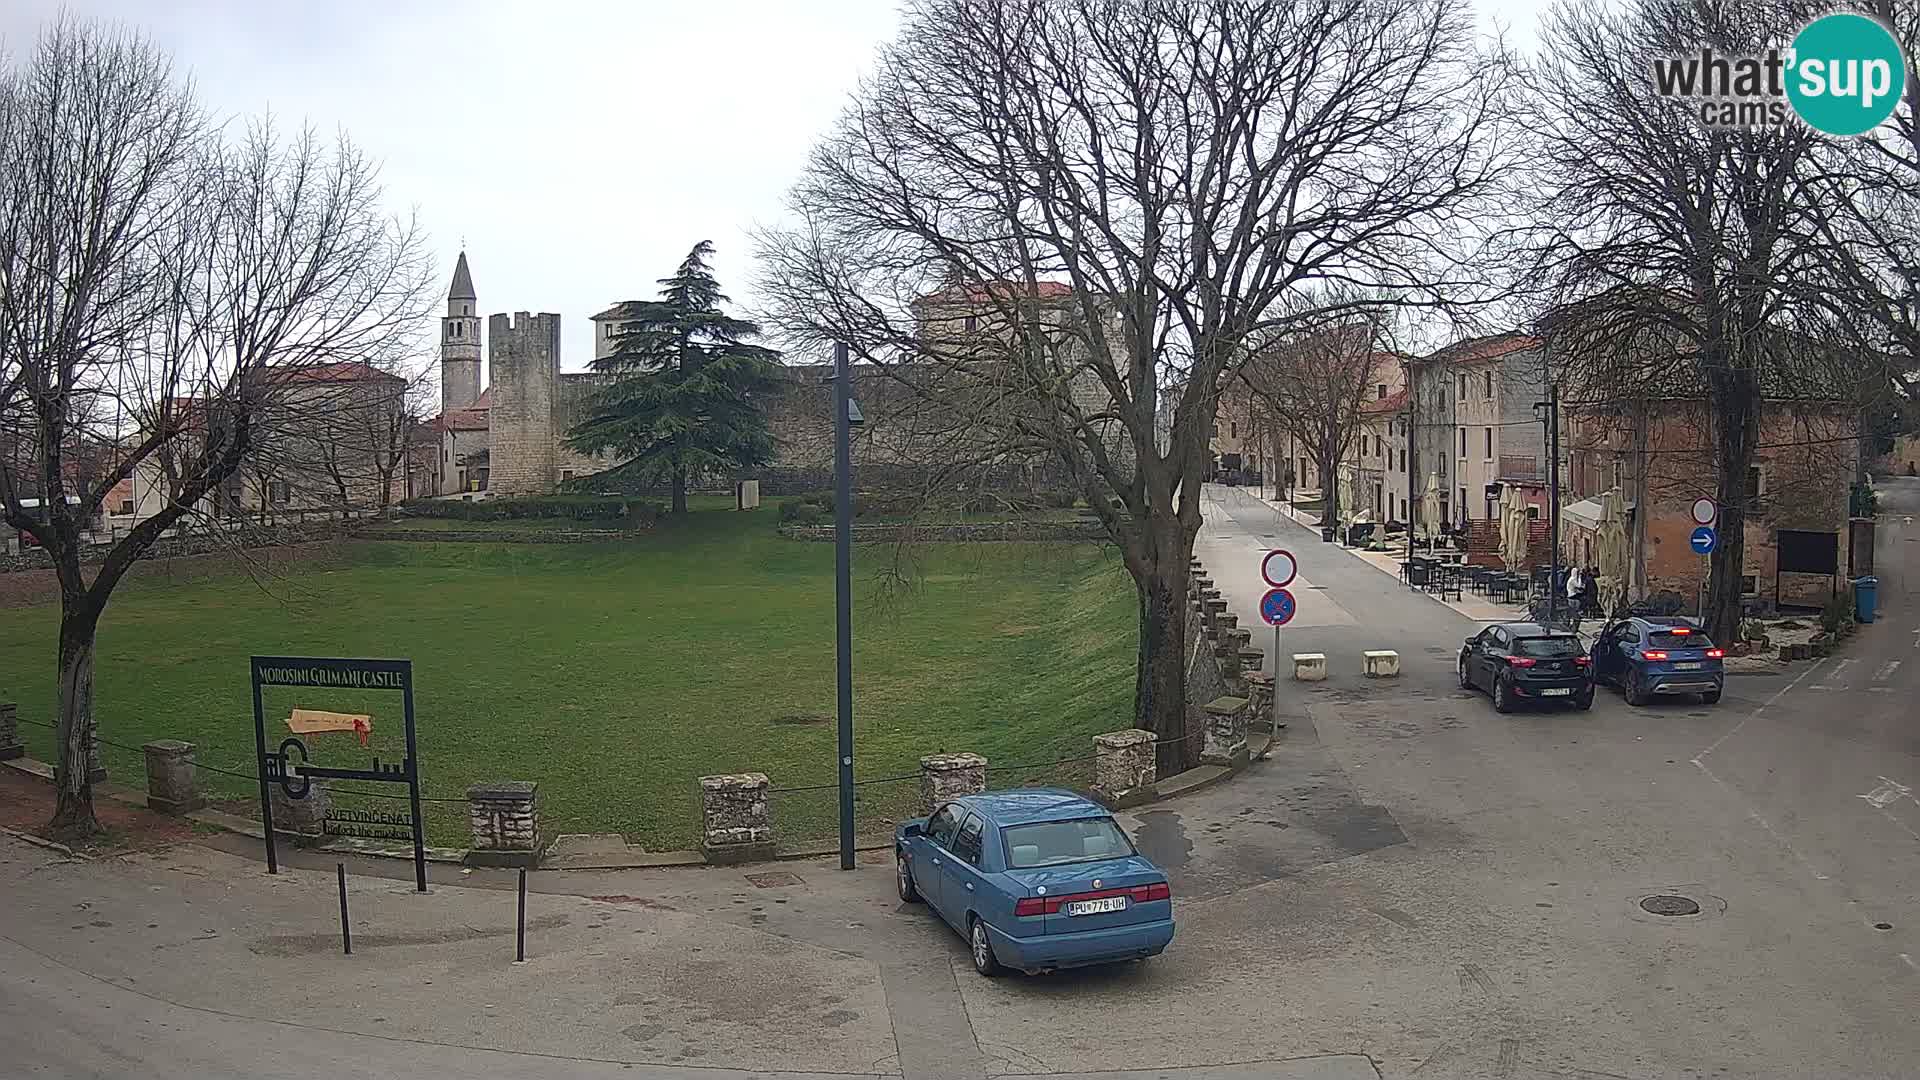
624	513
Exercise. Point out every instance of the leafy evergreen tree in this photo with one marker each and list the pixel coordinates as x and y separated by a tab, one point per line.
682	399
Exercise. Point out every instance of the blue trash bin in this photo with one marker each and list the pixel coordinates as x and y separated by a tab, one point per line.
1866	592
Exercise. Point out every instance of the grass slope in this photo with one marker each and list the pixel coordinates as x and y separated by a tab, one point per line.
616	674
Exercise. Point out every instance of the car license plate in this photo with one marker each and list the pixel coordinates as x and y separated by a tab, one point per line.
1556	691
1096	907
1689	666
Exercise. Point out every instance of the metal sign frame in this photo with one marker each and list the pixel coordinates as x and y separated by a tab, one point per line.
295	777
1293	567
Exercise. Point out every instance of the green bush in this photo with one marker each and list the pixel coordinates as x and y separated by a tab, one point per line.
1834	614
590	510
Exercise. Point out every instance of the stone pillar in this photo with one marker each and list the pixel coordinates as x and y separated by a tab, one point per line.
947	776
10	746
1227	620
302	818
1251	660
1259	701
1124	770
505	820
1215	606
173	782
736	819
1225	742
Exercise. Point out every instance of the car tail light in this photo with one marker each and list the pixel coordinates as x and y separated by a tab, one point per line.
1522	661
1715	654
1579	661
1654	654
1050	905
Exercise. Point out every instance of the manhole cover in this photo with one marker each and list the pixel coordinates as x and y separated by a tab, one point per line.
780	879
1670	905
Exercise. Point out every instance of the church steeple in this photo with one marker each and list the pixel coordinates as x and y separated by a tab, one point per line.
462	282
460	342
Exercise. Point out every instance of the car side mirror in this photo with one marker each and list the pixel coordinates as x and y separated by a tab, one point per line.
913	828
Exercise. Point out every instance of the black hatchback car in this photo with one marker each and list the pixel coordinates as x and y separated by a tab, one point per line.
1520	662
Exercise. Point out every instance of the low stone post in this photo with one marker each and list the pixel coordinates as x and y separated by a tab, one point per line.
305	819
736	818
1259	701
10	745
1124	770
1228	620
505	821
1225	742
948	776
173	780
1252	660
1215	607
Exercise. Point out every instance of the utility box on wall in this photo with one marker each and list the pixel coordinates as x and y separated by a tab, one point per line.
746	495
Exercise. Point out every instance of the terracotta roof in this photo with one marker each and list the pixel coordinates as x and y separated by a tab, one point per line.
1490	347
1392	403
462	420
484	401
1039	290
348	371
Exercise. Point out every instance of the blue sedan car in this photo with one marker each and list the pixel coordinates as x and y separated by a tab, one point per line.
1647	657
1036	879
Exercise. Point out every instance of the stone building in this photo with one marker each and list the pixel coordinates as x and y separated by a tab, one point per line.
1797	487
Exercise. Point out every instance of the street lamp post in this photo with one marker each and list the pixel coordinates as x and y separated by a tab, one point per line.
843	588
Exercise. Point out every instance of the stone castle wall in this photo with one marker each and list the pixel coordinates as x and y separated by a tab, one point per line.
526	371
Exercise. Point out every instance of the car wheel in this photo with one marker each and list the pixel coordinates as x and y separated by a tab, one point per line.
1711	697
903	878
1636	694
982	949
1502	697
1466	681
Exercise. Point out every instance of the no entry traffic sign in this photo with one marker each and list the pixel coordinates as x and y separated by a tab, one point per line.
1277	607
1278	567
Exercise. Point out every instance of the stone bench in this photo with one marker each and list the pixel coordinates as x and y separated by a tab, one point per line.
1381	663
1309	666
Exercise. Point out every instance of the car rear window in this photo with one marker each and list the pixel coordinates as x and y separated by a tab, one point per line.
1050	843
1679	639
1546	646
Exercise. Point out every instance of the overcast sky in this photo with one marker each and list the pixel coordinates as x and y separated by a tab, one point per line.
577	148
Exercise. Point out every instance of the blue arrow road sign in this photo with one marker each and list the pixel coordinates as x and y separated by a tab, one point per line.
1277	607
1703	540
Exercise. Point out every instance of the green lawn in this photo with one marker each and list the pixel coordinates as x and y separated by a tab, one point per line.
615	674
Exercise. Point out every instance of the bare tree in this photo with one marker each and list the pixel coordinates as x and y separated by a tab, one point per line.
1108	199
1312	383
1658	227
157	284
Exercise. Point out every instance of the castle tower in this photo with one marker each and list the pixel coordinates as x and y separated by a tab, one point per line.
460	343
526	375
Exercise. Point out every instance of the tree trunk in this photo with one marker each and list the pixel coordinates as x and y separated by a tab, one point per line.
1328	462
679	491
1737	428
1160	671
73	819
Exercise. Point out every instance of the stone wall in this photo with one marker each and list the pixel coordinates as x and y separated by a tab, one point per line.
499	536
959	532
178	547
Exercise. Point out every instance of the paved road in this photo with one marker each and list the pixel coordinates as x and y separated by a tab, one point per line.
1414	886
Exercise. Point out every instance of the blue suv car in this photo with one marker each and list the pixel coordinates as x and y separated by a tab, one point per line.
1650	657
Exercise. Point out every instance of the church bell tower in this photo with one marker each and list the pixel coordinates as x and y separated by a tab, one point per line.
460	343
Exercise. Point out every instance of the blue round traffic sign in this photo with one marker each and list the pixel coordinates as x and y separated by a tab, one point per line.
1277	607
1703	540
